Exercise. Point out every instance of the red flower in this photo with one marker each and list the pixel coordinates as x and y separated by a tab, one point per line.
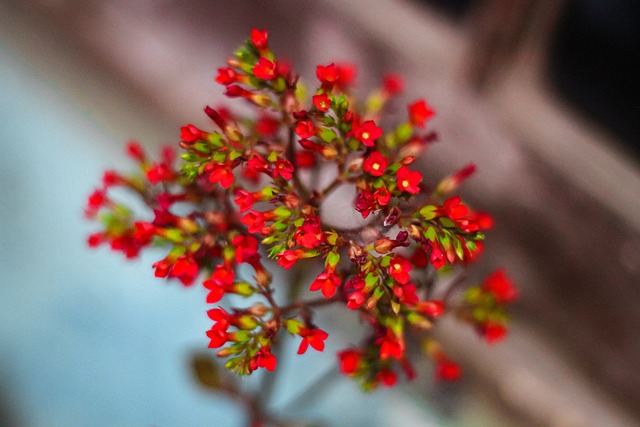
419	112
356	299
226	76
246	248
221	173
350	360
346	74
257	164
390	347
265	69
191	134
454	209
367	133
305	159
135	151
434	308
95	201
263	359
267	126
500	286
446	369
437	256
328	282
304	129
259	38
387	377
312	337
327	75
335	75
283	168
289	257
493	332
375	164
392	84
322	102
255	221
217	337
310	234
244	199
408	180
399	269
185	269
159	172
220	281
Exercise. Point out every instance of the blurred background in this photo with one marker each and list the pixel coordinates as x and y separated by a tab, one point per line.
542	95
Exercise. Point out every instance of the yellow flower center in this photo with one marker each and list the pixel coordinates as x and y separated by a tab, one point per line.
376	166
365	135
405	183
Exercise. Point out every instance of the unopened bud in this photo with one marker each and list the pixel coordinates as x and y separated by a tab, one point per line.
258	309
392	218
384	245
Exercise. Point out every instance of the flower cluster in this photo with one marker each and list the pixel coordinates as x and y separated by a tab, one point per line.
247	191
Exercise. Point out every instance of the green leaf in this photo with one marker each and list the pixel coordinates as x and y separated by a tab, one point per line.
333	258
282	212
430	233
189	157
234	154
458	248
216	139
447	222
371	280
428	212
327	135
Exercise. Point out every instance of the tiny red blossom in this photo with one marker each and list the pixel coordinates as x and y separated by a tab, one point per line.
500	286
219	282
447	370
390	347
246	248
314	338
226	76
436	258
399	269
289	257
493	332
264	359
375	164
387	377
135	151
408	180
185	269
328	282
433	308
191	134
304	129
322	102
350	360
392	84
222	174
367	133
267	126
419	113
265	69
283	168
259	38
328	75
